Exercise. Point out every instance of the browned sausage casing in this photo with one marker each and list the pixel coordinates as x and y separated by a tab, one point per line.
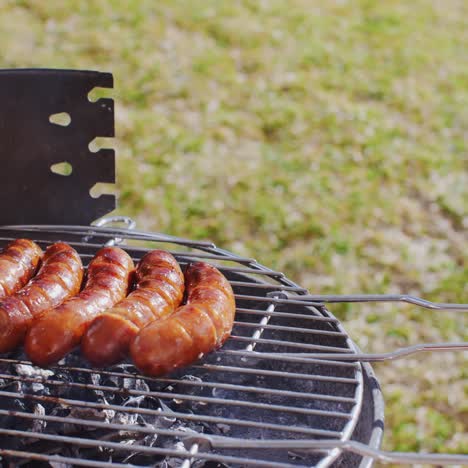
19	261
53	335
159	291
198	327
59	277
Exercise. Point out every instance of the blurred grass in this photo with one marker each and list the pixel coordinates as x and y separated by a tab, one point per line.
326	139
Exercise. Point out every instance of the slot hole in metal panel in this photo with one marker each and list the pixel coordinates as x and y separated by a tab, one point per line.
62	119
101	188
100	143
62	168
97	93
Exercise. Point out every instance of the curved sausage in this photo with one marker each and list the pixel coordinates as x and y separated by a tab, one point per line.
56	333
198	327
59	278
159	291
19	261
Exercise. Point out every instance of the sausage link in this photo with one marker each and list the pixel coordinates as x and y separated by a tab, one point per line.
56	333
59	278
198	327
19	261
159	291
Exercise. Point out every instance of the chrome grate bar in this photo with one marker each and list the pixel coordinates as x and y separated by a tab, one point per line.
162	413
240	388
289	375
58	459
214	368
418	301
316	318
308	331
198	399
256	337
142	449
290	357
392	355
110	233
352	446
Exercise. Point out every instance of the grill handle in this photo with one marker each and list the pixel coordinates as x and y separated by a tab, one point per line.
378	357
385	298
128	223
219	442
353	446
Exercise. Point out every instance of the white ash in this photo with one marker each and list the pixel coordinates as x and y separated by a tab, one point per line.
25	370
96	380
39	424
192	378
134	401
59	465
223	428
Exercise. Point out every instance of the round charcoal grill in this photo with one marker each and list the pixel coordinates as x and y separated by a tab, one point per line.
287	389
250	389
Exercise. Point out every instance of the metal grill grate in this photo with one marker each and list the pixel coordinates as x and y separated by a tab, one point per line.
289	388
253	388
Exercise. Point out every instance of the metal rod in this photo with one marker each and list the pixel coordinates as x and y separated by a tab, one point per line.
317	318
139	448
351	446
307	331
273	287
211	367
195	383
143	449
173	414
386	298
64	460
258	333
291	344
183	397
291	357
107	232
97	424
273	274
252	271
288	375
277	300
177	254
129	222
397	354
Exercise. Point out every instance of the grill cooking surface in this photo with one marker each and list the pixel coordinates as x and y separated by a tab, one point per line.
256	387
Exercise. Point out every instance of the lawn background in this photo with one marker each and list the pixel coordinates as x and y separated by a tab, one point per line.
326	139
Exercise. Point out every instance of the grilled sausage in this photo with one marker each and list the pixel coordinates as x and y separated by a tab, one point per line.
18	263
53	335
159	291
198	327
59	277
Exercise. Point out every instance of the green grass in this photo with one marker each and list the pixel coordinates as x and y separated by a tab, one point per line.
326	139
